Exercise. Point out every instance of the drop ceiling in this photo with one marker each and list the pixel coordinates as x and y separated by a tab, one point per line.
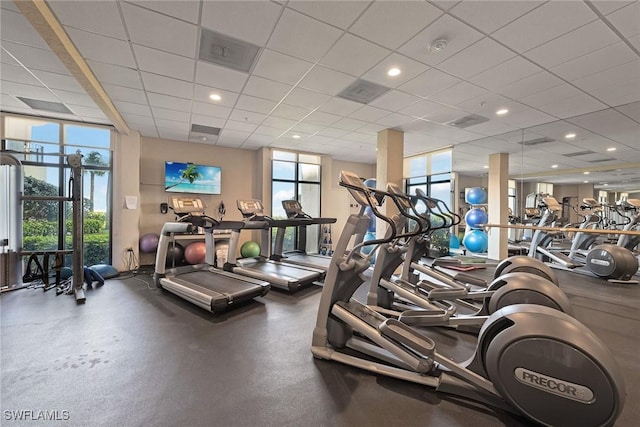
559	67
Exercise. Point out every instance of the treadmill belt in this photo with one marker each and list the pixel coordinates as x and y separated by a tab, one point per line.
216	282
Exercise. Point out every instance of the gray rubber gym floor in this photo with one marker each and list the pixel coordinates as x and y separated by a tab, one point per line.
135	356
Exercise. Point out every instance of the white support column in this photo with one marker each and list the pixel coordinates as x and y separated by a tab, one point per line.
498	204
389	165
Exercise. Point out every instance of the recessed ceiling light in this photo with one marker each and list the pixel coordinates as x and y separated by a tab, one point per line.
586	182
502	112
605	184
554	166
586	172
486	167
203	138
394	72
296	136
611	149
215	97
570	135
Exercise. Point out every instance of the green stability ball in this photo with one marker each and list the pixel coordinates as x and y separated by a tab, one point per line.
250	250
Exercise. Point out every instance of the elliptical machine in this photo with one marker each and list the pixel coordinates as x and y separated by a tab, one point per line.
529	360
613	263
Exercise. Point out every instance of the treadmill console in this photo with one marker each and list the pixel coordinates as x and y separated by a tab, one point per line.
187	205
251	207
293	209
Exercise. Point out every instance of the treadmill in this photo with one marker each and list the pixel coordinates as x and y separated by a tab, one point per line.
203	285
299	255
280	275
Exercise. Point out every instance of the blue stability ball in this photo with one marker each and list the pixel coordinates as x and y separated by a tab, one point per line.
476	241
454	242
476	196
475	218
372	219
371	182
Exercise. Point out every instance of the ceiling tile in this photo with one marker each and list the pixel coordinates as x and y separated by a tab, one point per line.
579	42
608	6
430	82
391	25
395	119
241	126
618	92
631	110
207	120
302	37
530	85
394	100
571	106
202	93
257	105
169	102
547	22
458	93
268	89
15	27
595	62
268	131
628	73
279	67
187	10
627	20
321	118
306	98
476	58
58	81
34	58
209	109
167	85
28	91
121	76
232	138
341	13
457	35
326	80
409	69
101	48
279	122
488	16
340	106
290	112
369	114
247	117
353	55
163	114
128	107
252	21
75	98
159	31
509	71
220	77
103	17
18	74
163	63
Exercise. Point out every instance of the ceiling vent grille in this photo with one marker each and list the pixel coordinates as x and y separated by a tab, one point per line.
363	91
226	51
205	130
579	153
467	121
536	141
37	104
601	160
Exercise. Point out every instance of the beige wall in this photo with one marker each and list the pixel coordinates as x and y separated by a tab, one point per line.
245	174
238	178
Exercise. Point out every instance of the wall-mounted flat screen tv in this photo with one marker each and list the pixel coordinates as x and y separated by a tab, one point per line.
192	178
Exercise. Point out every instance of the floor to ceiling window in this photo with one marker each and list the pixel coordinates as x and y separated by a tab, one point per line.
296	177
42	145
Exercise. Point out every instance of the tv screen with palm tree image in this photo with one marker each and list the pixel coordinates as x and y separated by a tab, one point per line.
192	178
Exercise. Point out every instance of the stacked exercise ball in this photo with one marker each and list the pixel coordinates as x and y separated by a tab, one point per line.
475	238
149	242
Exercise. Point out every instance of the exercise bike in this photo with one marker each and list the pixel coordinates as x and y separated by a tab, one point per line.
530	360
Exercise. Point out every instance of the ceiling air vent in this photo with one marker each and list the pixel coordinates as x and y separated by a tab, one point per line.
37	104
536	141
363	91
579	153
226	51
601	160
467	121
205	130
